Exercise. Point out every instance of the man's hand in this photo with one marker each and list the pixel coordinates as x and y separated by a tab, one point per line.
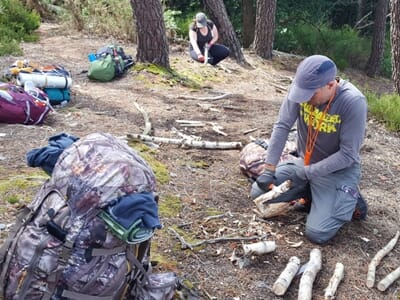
262	183
200	58
265	180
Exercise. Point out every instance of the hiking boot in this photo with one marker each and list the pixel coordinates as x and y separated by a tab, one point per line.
360	212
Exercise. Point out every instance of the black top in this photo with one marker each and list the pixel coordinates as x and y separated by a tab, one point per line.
202	39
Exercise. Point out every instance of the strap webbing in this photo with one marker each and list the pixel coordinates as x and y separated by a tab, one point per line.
79	296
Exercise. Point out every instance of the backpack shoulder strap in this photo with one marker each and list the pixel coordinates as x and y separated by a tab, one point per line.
23	218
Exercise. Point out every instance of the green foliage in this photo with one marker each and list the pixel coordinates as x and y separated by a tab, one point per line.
385	108
386	67
112	17
16	24
183	23
343	45
169	20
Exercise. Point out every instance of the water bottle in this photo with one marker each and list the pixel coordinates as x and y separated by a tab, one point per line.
31	89
92	57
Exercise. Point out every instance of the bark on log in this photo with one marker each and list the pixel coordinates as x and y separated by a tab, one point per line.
285	278
334	282
388	280
189	143
274	209
308	277
259	248
377	259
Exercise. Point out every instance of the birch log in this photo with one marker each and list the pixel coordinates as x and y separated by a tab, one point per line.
282	283
308	277
274	209
334	282
185	142
259	248
377	259
388	280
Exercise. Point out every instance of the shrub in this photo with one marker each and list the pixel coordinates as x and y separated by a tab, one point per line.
16	24
113	17
386	109
343	45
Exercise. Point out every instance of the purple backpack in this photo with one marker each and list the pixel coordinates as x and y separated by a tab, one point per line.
19	107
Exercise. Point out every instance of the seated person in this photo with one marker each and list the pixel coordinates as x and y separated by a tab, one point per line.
203	34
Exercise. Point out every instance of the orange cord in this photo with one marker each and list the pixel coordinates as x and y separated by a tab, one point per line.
312	135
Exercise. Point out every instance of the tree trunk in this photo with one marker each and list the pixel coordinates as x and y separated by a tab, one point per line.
217	13
378	38
248	26
152	44
265	28
395	35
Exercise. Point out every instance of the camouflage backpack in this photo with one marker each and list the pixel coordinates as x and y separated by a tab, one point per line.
87	233
252	157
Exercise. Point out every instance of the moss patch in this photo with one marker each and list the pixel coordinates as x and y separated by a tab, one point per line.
160	170
169	77
201	164
157	256
169	206
20	188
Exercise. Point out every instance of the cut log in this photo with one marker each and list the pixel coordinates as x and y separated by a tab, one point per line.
266	210
308	277
334	282
259	248
282	283
388	280
377	259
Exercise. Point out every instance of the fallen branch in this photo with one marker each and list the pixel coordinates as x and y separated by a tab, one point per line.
147	124
189	123
217	128
279	87
334	282
388	280
282	283
226	95
227	214
208	106
308	277
189	143
186	245
250	130
377	259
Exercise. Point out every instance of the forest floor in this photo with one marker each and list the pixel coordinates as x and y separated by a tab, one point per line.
208	182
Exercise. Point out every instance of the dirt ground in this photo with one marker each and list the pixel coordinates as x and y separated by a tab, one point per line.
208	182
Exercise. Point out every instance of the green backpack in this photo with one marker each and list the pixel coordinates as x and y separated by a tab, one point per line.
102	69
110	62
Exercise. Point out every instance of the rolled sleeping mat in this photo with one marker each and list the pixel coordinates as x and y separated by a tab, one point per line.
43	80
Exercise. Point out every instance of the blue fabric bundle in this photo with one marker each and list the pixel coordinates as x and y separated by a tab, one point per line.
46	157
